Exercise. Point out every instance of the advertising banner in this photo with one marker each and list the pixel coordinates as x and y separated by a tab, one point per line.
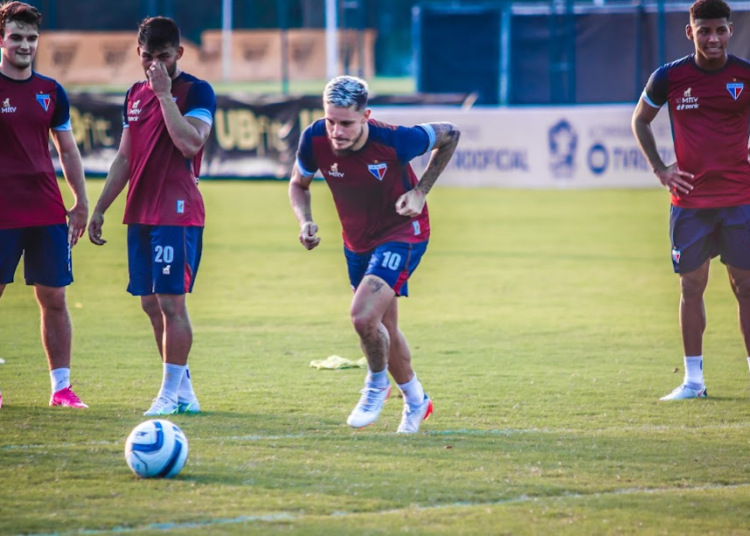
543	147
546	147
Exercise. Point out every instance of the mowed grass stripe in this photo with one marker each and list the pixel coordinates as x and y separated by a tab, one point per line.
543	324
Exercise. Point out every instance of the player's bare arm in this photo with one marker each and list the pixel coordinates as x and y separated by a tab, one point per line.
188	133
70	159
299	197
446	140
673	178
117	178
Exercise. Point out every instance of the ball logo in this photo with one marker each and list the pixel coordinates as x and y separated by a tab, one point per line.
563	142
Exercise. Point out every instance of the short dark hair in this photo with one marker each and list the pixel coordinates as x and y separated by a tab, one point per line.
710	9
158	32
19	12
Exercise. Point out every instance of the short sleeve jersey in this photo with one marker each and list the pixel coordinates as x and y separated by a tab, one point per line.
710	116
367	183
163	183
28	110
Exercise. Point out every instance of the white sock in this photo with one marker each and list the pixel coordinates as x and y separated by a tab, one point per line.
60	378
412	391
171	381
694	370
377	379
185	391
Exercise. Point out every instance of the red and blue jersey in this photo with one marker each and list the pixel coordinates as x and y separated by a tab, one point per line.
366	183
710	116
28	110
163	183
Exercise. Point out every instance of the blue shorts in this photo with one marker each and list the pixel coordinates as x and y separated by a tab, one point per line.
163	259
393	262
699	234
46	255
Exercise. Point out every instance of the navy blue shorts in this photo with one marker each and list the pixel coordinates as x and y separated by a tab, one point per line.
393	262
46	255
699	234
163	259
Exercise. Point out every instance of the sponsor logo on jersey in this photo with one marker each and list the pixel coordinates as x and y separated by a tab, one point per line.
44	101
687	102
7	108
676	254
335	171
378	170
735	89
134	111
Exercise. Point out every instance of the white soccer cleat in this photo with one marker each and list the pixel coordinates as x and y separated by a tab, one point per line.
413	416
161	406
369	406
684	392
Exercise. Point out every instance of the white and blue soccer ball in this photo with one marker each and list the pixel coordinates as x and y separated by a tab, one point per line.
156	449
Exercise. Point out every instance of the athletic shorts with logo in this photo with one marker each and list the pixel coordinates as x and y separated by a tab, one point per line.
699	234
163	259
393	262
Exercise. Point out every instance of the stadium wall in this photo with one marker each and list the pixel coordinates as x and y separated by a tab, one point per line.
529	147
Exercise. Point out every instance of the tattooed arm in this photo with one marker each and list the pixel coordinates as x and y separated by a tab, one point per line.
446	140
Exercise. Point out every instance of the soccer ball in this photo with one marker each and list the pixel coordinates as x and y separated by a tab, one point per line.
156	449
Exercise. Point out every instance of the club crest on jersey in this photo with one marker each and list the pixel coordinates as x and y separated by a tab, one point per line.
43	101
378	170
735	89
335	171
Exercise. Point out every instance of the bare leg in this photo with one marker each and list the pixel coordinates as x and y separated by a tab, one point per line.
740	282
399	355
150	305
2	288
57	330
178	333
371	301
692	310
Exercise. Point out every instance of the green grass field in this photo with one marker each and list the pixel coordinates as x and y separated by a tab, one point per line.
543	325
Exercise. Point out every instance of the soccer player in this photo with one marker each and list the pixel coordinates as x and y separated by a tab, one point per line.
708	94
33	219
167	120
385	228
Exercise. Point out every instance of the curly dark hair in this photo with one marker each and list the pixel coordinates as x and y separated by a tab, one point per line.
19	12
710	9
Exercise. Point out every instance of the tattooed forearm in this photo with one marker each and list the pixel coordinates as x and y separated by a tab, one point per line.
446	140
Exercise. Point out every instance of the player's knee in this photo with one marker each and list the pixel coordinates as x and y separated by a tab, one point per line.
364	322
741	289
692	287
150	306
51	299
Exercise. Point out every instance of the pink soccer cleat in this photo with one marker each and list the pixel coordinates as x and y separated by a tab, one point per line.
1	400
66	397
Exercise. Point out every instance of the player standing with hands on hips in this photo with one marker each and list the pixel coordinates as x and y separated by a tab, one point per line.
167	120
386	227
708	94
33	220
